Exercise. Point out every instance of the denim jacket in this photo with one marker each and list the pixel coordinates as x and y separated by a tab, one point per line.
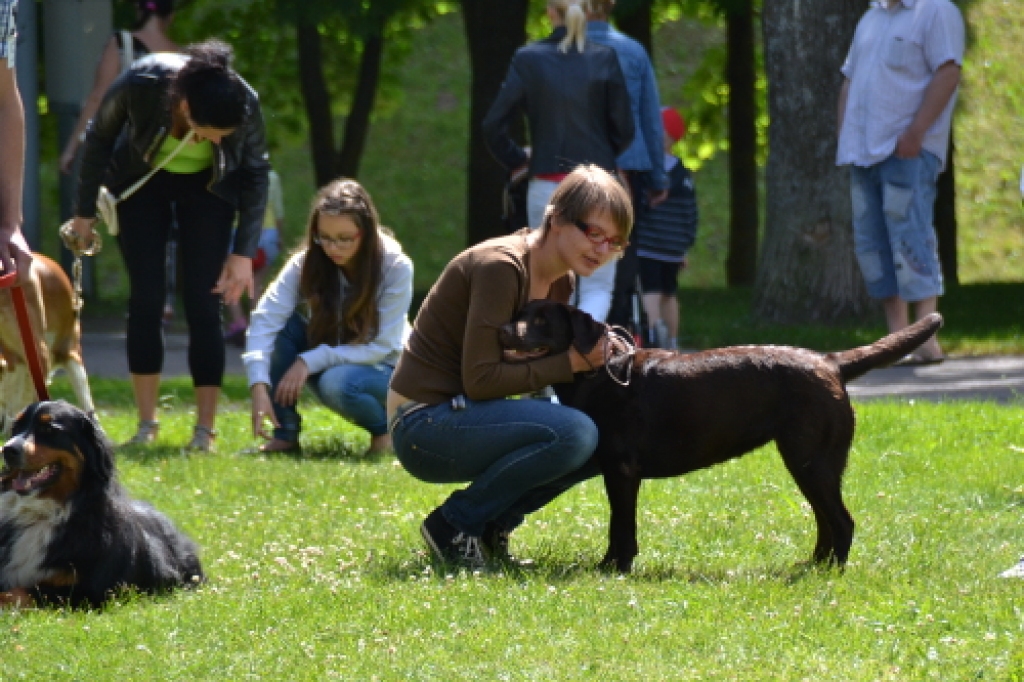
646	152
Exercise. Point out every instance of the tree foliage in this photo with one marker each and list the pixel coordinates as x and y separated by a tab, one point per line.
263	35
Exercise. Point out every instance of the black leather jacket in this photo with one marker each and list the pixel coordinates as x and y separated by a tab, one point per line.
576	104
132	123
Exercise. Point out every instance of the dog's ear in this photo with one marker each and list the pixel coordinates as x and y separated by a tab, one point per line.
22	420
96	447
586	331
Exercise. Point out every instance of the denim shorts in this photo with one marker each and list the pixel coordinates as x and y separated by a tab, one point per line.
893	234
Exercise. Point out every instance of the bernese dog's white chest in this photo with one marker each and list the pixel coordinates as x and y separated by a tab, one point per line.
27	527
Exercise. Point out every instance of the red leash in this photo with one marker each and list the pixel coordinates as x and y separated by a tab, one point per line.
25	327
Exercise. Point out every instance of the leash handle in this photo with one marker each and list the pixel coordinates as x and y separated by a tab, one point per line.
35	368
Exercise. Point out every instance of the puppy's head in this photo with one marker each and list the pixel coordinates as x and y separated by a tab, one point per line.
55	450
544	327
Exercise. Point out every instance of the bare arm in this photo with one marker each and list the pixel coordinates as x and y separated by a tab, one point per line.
106	72
936	97
844	95
12	165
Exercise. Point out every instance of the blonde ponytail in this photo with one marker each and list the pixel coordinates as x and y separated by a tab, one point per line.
575	20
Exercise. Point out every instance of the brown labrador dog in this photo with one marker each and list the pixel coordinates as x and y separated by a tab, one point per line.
661	413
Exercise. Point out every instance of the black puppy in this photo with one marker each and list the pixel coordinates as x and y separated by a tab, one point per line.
661	413
69	533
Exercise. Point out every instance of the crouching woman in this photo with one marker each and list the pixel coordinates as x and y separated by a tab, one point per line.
335	319
449	417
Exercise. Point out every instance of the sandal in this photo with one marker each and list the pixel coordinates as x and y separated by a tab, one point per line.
919	360
145	434
280	445
202	439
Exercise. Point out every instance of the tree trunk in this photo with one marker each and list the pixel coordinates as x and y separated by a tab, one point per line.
317	100
808	271
945	218
494	30
741	263
357	126
634	19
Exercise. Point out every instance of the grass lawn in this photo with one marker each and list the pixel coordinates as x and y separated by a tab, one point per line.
316	569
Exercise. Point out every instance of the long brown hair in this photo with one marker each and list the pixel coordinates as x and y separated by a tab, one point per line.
356	318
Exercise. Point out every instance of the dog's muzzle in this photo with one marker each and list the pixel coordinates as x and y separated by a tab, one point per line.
14	452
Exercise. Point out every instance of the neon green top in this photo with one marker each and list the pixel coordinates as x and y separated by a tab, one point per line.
193	157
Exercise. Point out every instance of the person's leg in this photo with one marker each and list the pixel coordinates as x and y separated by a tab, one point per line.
537	197
507	448
909	196
895	313
871	239
145	219
290	342
596	290
358	393
204	228
670	314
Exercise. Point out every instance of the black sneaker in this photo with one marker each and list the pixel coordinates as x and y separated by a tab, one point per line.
449	544
494	543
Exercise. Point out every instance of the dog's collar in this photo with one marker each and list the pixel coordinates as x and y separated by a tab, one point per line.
613	333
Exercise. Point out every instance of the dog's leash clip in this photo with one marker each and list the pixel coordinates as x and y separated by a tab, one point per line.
613	333
70	239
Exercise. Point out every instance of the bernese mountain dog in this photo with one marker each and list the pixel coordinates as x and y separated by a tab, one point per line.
69	532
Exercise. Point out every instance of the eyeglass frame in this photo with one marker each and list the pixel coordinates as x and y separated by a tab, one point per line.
330	242
589	231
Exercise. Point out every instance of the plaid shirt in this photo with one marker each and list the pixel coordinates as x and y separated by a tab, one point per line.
8	30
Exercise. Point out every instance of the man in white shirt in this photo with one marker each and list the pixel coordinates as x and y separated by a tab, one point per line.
895	107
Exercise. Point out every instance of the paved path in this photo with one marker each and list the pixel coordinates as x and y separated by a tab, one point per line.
106	356
999	378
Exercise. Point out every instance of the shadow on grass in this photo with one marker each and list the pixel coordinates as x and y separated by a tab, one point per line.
555	570
979	318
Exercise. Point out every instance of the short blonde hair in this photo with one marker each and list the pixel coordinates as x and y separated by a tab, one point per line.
575	20
587	189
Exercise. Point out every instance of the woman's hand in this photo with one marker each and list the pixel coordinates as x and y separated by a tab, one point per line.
67	157
84	230
290	386
235	278
590	361
262	410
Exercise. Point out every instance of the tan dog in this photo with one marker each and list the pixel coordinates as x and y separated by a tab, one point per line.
49	298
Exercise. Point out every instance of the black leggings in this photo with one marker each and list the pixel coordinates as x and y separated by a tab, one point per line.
204	232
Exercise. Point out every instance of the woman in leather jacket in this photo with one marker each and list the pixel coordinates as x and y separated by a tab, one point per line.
578	112
196	120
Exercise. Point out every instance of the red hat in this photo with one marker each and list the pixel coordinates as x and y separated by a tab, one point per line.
674	124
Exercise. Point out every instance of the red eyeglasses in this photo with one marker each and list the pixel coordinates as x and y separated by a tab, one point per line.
596	236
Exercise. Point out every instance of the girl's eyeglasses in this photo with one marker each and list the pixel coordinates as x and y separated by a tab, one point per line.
339	243
596	236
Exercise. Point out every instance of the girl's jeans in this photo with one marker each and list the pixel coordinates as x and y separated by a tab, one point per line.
518	454
356	392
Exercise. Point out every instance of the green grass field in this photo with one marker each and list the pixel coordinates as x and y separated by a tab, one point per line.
316	569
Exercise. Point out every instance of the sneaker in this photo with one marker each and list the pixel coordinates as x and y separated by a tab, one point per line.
494	543
450	545
1014	572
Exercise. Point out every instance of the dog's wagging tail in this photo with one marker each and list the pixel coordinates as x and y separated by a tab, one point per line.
69	532
682	412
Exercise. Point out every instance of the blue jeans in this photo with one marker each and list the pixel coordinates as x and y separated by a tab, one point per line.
518	455
356	392
893	234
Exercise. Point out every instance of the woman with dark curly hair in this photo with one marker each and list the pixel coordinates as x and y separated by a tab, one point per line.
190	128
335	319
